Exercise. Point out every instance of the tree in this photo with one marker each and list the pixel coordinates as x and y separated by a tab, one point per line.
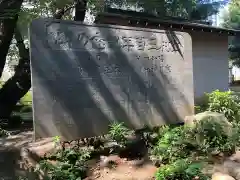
8	25
188	9
20	82
232	20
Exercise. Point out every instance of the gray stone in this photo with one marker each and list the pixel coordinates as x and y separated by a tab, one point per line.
85	76
235	157
214	116
233	169
109	161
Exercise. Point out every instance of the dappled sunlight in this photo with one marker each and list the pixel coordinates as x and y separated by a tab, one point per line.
23	137
99	81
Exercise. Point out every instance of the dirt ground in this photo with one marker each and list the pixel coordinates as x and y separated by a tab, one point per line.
127	170
18	154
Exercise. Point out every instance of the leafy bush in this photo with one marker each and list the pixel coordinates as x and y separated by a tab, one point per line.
226	103
171	145
70	164
211	136
181	169
118	133
195	141
199	108
179	148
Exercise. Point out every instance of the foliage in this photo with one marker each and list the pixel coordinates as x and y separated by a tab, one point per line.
205	137
232	20
197	109
181	169
26	99
202	105
3	132
22	178
181	148
70	164
226	103
208	136
171	146
187	9
118	133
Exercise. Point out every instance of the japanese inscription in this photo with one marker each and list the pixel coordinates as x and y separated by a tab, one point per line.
97	42
99	74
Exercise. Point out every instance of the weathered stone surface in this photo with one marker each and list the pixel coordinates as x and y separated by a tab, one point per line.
233	169
108	161
214	116
221	176
235	157
83	77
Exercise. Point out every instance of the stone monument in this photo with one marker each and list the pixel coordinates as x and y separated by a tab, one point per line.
86	76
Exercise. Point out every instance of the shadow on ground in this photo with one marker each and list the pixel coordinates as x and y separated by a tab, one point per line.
19	154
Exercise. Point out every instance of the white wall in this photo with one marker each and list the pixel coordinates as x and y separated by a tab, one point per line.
236	72
210	62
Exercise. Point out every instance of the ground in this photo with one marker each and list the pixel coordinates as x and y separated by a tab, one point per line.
19	153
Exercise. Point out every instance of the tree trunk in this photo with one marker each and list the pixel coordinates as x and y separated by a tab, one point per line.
20	83
80	10
9	11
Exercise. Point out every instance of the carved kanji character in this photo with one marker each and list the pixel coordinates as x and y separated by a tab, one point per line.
140	41
152	44
168	68
127	43
97	42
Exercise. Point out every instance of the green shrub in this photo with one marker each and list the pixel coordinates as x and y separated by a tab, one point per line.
118	133
211	136
179	148
70	164
199	108
195	141
171	146
226	103
181	169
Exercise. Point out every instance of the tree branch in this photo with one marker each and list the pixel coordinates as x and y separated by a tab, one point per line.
60	13
24	61
20	83
80	10
20	44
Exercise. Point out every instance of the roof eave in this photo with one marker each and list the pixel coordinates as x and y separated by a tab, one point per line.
156	23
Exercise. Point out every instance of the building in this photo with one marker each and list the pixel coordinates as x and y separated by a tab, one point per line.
209	45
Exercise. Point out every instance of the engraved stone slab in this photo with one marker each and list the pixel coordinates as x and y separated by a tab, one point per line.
86	76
